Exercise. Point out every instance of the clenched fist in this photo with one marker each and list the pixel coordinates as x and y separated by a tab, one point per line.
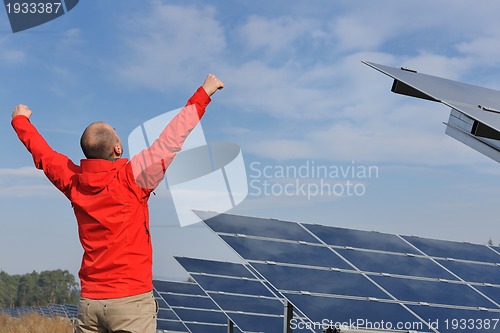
21	110
212	84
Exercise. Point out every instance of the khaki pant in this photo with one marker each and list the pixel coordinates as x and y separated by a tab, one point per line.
133	314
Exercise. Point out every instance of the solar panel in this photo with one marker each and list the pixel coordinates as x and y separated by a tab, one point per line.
299	279
58	310
51	310
381	278
261	227
360	239
193	309
71	310
250	303
167	319
475	111
474	272
433	292
446	91
13	312
455	250
395	264
285	252
352	312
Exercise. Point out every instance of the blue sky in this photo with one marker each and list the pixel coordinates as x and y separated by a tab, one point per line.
296	93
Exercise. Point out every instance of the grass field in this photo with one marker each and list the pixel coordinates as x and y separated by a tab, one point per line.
34	323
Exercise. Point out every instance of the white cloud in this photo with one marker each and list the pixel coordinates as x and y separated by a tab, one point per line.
306	75
278	34
22	191
169	43
24	182
21	172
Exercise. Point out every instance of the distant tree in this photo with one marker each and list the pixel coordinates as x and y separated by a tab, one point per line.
28	292
490	242
8	290
34	288
58	286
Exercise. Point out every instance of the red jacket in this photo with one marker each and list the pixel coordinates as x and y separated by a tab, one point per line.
110	201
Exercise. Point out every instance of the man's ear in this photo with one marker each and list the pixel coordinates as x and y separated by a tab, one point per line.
118	149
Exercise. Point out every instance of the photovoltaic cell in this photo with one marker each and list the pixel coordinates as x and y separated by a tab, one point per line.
395	264
496	249
167	320
175	287
189	301
473	272
456	250
489	291
319	281
167	314
436	292
58	310
293	253
353	313
360	239
201	316
161	302
196	312
235	286
253	226
171	326
251	304
71	310
214	267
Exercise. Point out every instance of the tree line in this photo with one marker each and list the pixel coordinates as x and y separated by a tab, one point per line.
38	289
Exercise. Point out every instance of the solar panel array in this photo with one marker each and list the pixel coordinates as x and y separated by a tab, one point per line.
167	319
248	301
369	279
52	310
332	276
187	308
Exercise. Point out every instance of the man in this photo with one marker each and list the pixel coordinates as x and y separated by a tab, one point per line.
109	195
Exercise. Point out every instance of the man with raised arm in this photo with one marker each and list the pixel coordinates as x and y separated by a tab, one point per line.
109	195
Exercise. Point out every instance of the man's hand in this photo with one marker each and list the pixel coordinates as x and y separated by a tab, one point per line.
212	84
21	110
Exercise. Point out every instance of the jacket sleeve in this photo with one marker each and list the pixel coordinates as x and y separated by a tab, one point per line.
57	167
149	166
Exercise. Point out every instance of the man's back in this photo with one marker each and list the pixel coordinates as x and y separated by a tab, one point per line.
113	227
109	195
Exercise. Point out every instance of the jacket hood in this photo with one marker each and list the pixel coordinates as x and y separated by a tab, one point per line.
96	174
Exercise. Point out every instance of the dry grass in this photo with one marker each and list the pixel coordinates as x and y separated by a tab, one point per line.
34	323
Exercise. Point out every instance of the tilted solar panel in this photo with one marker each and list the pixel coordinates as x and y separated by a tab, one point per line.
194	310
455	250
347	276
251	303
167	319
475	111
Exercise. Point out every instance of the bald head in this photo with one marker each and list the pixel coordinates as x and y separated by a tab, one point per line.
99	140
